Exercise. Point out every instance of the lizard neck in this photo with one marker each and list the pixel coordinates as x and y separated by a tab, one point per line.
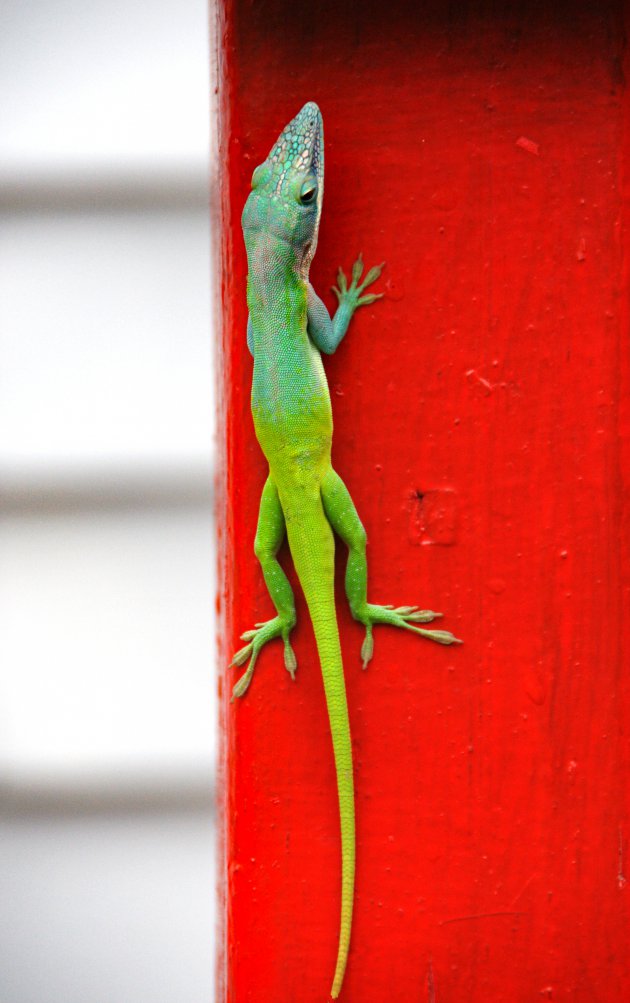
277	276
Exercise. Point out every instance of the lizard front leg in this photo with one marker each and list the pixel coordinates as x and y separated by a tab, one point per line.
269	536
344	519
325	333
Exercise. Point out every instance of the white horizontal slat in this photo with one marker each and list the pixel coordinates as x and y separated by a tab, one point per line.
128	186
107	909
105	82
105	339
107	647
107	660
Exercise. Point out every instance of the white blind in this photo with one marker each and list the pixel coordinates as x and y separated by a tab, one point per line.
106	410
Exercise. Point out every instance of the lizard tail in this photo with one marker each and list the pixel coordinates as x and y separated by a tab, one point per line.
313	551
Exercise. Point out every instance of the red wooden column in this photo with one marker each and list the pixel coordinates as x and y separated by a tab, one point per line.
482	425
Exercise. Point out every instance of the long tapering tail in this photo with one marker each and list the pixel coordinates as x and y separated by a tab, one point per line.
312	547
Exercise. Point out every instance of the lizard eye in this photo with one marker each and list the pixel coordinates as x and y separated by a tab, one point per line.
308	193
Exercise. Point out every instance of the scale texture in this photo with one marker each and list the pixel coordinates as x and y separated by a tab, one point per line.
482	427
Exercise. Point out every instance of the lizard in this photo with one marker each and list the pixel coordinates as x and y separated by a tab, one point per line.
304	498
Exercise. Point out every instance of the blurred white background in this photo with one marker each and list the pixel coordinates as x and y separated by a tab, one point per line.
107	657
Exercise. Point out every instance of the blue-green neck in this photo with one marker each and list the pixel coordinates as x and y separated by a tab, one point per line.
276	273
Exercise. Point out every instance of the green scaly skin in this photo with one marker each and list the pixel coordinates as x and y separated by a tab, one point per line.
288	328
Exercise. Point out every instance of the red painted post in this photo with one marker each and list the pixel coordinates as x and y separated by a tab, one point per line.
482	424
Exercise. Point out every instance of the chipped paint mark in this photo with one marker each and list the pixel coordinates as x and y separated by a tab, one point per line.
523	890
431	997
621	878
581	249
486	387
536	686
474	377
528	145
433	517
483	915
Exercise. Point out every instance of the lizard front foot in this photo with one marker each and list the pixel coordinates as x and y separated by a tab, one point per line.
262	633
352	296
401	616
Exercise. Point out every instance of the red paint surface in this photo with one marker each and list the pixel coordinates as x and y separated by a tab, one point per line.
482	425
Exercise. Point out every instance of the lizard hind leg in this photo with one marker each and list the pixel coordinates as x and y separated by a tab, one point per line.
343	517
269	536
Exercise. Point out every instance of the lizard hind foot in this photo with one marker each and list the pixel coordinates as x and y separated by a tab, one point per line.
400	616
257	638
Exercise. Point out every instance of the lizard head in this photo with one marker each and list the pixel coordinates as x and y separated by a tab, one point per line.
288	187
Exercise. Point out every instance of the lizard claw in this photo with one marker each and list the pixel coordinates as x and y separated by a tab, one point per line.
256	638
400	616
357	269
290	661
372	276
352	294
241	656
367	648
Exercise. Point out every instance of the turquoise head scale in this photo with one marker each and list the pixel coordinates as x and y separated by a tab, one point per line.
288	188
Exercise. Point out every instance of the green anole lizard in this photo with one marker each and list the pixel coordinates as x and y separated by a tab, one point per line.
288	328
